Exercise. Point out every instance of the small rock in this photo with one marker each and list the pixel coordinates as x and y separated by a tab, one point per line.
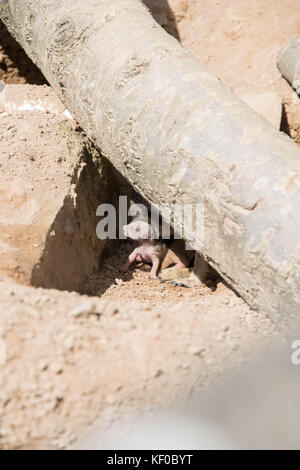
185	365
158	373
196	350
59	395
111	399
3	432
56	367
293	133
83	309
220	336
209	361
42	365
69	343
49	406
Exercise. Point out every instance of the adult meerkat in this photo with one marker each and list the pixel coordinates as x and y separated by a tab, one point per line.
189	277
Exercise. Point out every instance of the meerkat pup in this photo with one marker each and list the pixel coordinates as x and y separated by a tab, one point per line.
169	259
157	252
149	250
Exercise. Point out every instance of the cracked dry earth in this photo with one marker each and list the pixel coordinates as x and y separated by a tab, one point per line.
131	344
73	360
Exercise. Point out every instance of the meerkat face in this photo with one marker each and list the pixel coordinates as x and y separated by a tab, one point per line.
138	230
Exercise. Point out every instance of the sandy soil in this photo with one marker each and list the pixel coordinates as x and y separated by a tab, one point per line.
33	168
239	42
75	359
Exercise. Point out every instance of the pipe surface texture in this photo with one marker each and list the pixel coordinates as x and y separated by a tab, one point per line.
289	63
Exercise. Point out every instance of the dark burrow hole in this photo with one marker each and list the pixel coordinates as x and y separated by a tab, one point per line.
175	246
15	66
284	126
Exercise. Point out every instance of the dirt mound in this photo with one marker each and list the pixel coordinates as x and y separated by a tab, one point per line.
51	187
72	360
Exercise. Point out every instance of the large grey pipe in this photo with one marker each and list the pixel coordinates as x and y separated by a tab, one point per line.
177	134
289	63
